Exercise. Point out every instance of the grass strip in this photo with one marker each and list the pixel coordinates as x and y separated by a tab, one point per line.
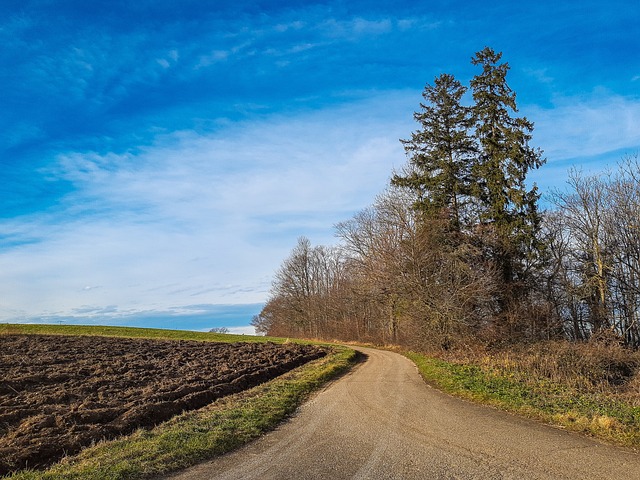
197	435
599	415
130	332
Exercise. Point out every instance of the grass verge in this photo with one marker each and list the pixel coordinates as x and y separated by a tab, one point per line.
193	436
598	414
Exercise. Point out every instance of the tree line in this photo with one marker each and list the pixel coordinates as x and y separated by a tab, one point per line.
457	251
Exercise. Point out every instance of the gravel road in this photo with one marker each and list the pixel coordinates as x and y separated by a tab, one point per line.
381	421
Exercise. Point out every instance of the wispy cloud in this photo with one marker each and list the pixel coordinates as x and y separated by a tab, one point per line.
576	128
356	28
206	215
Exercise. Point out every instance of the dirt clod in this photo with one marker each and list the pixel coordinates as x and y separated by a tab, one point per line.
59	394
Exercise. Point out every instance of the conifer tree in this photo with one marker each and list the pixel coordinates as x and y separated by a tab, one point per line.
508	208
440	152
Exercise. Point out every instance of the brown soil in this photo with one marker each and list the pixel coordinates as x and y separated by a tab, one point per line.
59	394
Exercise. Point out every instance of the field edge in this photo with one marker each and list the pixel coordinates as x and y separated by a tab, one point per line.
195	436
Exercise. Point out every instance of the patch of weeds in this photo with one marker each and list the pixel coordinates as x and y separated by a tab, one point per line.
598	414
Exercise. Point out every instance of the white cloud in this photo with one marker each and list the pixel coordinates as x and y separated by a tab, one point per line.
294	25
371	27
541	75
579	128
213	57
242	330
356	28
199	218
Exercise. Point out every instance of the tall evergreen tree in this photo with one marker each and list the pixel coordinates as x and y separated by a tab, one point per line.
439	152
508	208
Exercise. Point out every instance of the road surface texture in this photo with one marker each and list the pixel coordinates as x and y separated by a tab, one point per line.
381	421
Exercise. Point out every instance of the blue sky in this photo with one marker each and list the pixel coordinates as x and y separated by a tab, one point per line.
160	158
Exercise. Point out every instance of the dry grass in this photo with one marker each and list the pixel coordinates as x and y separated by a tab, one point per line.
594	367
591	387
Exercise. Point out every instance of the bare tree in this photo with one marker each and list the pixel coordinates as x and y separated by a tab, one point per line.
428	288
584	210
623	233
595	247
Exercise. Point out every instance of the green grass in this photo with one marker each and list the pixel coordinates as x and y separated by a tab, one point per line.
193	436
598	414
130	332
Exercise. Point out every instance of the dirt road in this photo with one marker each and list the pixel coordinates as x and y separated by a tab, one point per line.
381	421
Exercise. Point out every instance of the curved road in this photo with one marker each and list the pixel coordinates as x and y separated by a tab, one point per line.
381	421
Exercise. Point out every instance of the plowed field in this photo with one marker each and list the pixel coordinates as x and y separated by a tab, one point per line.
59	394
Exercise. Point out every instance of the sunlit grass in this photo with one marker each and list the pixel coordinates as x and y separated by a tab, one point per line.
605	415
